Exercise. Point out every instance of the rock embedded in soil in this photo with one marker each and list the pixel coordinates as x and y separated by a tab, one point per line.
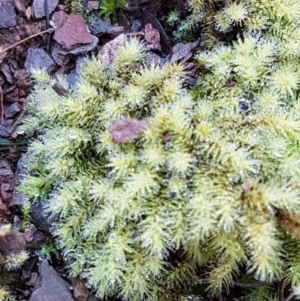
58	19
12	110
73	33
8	16
79	49
40	218
38	59
13	242
39	7
49	286
99	27
182	50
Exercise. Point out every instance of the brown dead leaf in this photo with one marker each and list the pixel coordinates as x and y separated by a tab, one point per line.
127	129
80	290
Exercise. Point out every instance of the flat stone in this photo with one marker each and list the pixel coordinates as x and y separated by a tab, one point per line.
39	7
49	286
80	49
14	242
181	50
100	27
8	16
20	7
38	59
92	5
40	218
73	33
109	51
12	110
58	19
60	56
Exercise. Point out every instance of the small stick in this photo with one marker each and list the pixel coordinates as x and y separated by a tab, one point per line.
24	40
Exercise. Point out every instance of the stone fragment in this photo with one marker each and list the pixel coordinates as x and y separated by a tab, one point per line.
60	56
32	279
127	129
92	5
79	49
108	52
58	19
6	174
8	16
20	7
135	27
4	212
28	13
153	59
152	36
40	218
49	286
81	292
181	50
39	7
73	33
99	27
38	59
4	133
13	242
12	110
5	193
29	232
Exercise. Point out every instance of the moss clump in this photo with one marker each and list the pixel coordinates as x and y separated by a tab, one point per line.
207	185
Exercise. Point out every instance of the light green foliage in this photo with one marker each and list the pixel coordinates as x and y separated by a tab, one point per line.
108	8
208	184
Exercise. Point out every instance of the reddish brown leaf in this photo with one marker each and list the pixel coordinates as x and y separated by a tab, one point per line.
125	130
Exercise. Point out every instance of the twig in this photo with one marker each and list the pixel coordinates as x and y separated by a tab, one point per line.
254	284
290	297
1	107
24	40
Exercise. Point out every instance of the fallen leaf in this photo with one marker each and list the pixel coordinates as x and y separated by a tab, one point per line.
125	130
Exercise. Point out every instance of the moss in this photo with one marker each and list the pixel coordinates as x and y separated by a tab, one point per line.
208	185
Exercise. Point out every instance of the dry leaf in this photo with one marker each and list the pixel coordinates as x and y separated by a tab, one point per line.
125	130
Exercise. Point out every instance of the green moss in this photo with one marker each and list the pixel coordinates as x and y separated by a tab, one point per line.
208	185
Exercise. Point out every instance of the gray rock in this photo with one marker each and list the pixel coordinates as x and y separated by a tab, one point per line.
72	78
135	27
22	170
12	110
100	27
38	59
40	217
3	131
17	200
59	58
49	286
8	16
39	7
80	49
